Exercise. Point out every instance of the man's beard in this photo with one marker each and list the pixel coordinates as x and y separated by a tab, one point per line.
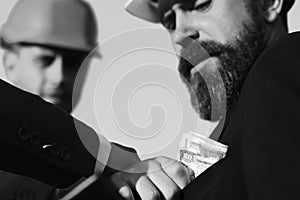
215	88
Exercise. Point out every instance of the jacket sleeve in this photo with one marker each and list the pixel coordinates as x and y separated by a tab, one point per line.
42	141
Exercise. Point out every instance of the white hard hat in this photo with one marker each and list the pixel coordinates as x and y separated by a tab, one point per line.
67	24
144	9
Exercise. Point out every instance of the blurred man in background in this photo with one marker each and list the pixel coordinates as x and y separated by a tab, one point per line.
46	46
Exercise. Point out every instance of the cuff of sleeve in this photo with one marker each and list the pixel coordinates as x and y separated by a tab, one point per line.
103	155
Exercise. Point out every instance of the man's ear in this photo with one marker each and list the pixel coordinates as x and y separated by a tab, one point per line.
10	65
272	9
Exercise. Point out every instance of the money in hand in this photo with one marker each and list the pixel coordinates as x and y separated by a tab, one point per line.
199	152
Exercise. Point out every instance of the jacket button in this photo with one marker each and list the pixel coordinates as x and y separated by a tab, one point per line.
34	139
65	154
47	147
23	133
52	149
55	150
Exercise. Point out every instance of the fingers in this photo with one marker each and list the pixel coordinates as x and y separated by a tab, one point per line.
167	187
126	192
146	189
153	179
143	186
140	183
161	185
191	173
179	173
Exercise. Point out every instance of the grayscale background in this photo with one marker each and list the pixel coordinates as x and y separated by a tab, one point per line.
130	47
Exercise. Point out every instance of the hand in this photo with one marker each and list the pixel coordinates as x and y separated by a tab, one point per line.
157	178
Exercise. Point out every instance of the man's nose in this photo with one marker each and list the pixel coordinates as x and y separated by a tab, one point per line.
55	73
185	31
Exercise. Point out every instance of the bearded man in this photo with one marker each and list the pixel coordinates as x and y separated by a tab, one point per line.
241	67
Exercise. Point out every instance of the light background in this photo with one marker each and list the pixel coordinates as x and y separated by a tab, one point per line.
114	24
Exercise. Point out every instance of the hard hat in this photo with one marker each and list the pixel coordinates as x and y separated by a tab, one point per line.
69	24
144	9
149	10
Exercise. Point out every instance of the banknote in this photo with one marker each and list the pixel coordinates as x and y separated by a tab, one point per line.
199	152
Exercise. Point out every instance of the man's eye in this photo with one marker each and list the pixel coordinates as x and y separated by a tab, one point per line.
202	4
169	20
46	60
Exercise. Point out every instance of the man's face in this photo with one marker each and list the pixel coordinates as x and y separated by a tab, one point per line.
214	37
47	72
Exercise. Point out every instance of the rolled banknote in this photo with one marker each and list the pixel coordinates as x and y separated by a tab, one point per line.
199	152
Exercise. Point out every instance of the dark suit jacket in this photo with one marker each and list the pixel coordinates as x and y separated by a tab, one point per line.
262	133
41	141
